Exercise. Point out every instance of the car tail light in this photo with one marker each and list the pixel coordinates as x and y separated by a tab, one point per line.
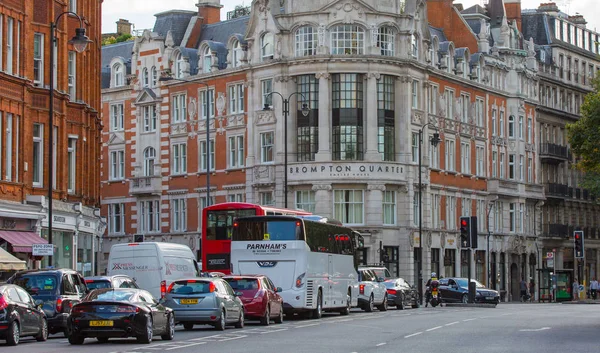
89	281
163	288
170	288
59	305
3	303
300	281
391	291
211	287
362	288
128	309
78	309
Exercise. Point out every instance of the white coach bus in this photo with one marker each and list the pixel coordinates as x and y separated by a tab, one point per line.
314	263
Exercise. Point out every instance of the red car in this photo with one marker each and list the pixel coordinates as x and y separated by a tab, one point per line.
259	296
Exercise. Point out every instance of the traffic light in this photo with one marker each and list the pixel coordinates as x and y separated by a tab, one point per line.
465	232
578	235
473	231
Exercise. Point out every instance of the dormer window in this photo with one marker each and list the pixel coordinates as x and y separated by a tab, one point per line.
236	59
145	78
306	41
385	41
414	45
118	71
267	46
347	40
179	65
206	60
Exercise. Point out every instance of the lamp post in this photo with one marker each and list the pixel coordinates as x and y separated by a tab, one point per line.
435	140
166	78
286	112
80	42
489	268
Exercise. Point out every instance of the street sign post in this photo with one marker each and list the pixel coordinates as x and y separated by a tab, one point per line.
549	255
42	249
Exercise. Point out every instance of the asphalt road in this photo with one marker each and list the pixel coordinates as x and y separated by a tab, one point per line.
524	328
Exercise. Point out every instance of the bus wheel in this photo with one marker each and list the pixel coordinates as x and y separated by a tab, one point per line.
346	310
318	312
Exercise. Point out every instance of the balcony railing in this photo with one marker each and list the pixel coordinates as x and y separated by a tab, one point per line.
146	185
555	230
557	190
554	152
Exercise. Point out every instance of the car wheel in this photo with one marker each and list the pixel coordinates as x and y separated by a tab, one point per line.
102	339
75	339
370	306
43	334
220	325
279	318
148	335
465	299
240	322
13	335
188	327
346	310
400	305
416	304
170	331
266	319
384	305
318	312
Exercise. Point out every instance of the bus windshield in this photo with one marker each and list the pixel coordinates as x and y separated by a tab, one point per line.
274	230
219	224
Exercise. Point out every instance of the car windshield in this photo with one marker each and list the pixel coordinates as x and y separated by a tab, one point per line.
191	287
382	272
243	283
97	284
463	283
37	284
111	295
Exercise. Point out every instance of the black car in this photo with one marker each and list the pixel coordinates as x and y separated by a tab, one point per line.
57	289
401	294
455	290
19	316
120	312
117	281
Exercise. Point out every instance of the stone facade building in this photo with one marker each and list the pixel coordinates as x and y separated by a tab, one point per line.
25	42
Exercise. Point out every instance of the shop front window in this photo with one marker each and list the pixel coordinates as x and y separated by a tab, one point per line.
85	264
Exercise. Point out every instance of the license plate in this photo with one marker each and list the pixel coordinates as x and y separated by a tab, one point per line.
188	301
98	323
434	293
489	298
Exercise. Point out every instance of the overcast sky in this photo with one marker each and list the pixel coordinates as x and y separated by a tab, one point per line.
141	12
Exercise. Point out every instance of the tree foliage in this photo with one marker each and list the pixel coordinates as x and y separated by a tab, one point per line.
584	138
119	39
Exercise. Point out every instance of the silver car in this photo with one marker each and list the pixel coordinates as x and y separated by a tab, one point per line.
204	301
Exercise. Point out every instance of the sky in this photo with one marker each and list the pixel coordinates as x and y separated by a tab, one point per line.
141	12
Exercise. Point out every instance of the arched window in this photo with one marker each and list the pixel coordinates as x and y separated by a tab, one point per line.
118	75
385	41
347	40
414	46
149	158
145	78
179	65
237	53
154	74
267	46
206	59
306	41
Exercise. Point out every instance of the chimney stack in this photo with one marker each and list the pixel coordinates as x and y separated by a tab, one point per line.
578	20
550	8
123	26
209	11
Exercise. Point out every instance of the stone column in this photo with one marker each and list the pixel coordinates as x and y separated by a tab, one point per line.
324	153
374	203
323	193
370	118
251	92
442	256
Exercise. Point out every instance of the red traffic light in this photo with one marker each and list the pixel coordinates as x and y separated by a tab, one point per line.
463	223
576	236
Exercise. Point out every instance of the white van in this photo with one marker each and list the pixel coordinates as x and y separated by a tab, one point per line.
153	266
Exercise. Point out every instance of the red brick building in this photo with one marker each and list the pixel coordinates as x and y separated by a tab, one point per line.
25	42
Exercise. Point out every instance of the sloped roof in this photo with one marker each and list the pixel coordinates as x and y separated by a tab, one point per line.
534	25
109	52
175	21
438	32
221	31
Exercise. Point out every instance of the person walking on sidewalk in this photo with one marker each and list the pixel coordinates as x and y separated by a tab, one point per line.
594	288
575	290
524	294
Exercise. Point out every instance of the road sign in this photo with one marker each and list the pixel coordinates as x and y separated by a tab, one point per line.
549	255
42	249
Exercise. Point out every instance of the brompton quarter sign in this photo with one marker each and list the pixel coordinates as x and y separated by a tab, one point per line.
319	171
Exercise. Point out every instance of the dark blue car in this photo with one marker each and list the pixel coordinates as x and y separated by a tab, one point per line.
455	290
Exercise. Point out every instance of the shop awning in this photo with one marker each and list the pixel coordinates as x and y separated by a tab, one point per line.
22	241
9	262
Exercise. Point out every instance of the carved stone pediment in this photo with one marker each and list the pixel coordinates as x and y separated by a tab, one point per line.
264	117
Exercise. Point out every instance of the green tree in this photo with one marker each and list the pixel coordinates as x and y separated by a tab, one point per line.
584	138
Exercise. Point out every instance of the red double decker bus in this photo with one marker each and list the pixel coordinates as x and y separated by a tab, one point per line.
217	227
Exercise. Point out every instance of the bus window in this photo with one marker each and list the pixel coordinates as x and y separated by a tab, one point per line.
220	222
275	230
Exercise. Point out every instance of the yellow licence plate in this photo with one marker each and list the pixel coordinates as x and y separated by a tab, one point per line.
97	323
189	301
434	292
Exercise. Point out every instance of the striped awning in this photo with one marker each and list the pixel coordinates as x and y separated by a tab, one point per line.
22	241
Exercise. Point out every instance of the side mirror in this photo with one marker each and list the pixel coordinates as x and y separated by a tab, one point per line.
278	290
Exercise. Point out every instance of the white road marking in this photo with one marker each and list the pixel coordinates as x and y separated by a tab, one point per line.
470	319
452	323
433	328
185	346
535	329
414	334
203	338
232	338
309	325
381	344
270	331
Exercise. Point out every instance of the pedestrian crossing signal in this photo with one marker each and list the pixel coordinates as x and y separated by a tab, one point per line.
578	244
465	232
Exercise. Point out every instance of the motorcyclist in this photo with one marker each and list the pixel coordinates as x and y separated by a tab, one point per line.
428	288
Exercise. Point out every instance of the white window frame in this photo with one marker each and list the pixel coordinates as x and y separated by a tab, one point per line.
480	163
347	33
449	97
450	212
179	61
149	118
116	216
465	101
432	99
465	166
149	161
179	108
346	198
415	94
414	46
521	133
512	224
521	168
386	40
236	151
206	60
117	117
502	169
416	207
117	165
449	154
150	216
266	198
479	107
529	170
10	32
434	155
306	200
511	127
494	164
145	78
237	53
306	41
529	130
266	87
267	147
512	161
38	58
389	208
179	159
203	155
8	142
415	147
39	141
118	73
179	215
501	123
72	80
494	125
435	210
207	103
1	41
267	46
72	165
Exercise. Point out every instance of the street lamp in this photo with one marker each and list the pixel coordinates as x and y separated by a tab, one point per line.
286	111
435	140
166	78
79	42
